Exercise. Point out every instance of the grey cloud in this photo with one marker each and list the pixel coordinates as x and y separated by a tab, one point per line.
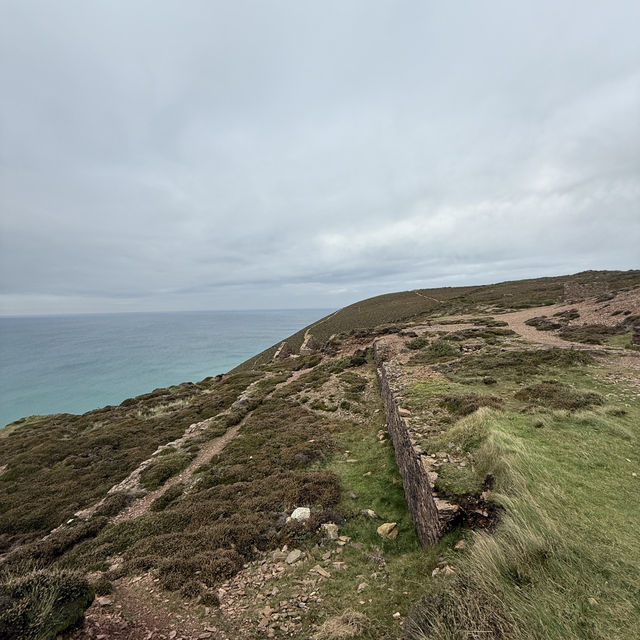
159	155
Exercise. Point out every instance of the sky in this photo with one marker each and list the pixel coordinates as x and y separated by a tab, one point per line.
163	155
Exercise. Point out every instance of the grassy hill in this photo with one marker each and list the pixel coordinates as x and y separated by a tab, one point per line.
174	507
412	306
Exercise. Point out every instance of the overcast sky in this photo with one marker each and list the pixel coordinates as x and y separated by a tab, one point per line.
164	155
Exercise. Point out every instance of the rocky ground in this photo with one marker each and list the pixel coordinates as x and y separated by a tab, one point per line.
282	592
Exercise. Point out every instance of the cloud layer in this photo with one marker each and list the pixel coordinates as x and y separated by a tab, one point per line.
202	155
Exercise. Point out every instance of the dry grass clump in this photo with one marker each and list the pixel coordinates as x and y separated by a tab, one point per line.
466	404
347	625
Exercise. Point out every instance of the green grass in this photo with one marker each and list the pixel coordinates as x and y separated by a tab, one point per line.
563	562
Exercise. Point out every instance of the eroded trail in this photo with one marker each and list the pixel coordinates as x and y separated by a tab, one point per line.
207	451
205	454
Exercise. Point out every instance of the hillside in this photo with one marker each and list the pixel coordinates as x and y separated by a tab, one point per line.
445	463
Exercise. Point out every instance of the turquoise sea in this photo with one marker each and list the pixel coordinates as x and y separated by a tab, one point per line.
55	364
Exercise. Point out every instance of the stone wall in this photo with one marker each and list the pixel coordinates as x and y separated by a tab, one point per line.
415	479
635	337
575	291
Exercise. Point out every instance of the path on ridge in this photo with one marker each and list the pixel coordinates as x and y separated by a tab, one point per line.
207	451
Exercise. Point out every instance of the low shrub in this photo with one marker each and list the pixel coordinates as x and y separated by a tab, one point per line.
463	405
38	604
417	343
591	333
557	395
164	468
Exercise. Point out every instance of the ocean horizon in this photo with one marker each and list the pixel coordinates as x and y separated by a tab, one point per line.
78	362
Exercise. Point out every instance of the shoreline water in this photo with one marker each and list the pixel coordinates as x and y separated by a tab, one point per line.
76	363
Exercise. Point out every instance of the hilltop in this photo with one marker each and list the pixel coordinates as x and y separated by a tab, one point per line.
438	463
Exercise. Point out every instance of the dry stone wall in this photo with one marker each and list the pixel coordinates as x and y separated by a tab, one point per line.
417	487
576	291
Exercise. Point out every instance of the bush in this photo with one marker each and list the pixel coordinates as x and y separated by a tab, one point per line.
40	604
417	343
463	405
557	395
162	469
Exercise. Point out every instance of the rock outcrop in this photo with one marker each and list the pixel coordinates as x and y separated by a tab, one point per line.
310	345
284	351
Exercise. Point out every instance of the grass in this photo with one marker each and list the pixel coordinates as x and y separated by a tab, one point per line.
562	563
557	440
592	333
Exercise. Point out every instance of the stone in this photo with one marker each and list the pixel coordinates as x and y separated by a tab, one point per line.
330	530
460	545
103	601
370	513
284	351
592	601
396	615
320	571
388	530
301	513
293	556
403	413
309	345
362	586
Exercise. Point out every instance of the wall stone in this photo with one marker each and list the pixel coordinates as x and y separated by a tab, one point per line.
576	291
415	479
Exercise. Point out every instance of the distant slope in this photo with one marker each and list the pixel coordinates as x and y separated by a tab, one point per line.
407	306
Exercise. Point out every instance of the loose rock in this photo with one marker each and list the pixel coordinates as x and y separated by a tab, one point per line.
388	530
294	556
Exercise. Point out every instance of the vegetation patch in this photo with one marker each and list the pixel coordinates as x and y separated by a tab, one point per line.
60	464
39	604
513	364
556	395
463	405
163	468
238	504
544	323
592	333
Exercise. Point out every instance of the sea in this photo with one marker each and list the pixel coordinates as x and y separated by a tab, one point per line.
75	363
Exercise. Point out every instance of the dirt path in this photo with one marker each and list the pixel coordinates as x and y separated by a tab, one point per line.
210	449
207	451
426	297
517	321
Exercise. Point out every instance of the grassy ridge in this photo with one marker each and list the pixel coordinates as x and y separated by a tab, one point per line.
405	306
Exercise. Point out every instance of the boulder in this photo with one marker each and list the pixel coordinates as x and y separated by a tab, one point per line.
301	513
388	530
